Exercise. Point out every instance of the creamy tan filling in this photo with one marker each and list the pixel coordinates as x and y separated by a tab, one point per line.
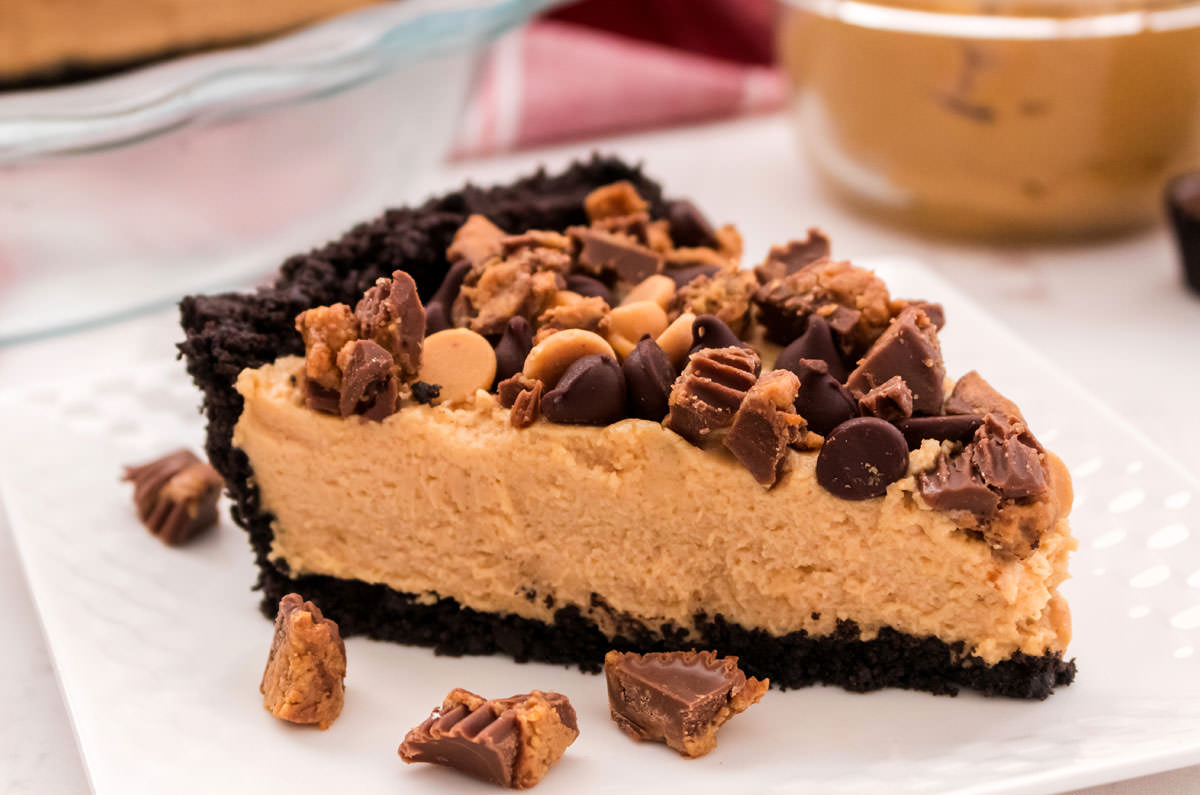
455	502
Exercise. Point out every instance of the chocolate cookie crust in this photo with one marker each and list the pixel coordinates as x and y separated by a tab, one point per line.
229	332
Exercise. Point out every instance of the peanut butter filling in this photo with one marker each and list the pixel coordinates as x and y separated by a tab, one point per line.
629	521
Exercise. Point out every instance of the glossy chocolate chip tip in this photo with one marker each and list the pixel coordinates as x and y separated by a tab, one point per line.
590	392
709	331
861	457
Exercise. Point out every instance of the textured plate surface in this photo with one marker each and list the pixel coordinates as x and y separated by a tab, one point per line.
160	650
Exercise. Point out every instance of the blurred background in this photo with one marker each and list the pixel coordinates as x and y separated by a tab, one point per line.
1039	155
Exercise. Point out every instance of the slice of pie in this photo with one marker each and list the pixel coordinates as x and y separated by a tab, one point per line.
556	418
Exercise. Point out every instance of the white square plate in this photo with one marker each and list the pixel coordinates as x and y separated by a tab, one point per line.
160	650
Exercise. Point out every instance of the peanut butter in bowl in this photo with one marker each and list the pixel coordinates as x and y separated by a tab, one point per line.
991	118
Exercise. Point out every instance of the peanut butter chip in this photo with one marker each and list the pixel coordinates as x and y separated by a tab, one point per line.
657	288
629	322
676	341
551	357
459	361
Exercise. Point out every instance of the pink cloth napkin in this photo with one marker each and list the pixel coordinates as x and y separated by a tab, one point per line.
555	81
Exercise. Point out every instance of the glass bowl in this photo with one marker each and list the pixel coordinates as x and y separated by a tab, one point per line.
203	171
1006	119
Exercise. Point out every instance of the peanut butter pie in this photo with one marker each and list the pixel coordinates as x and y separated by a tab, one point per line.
555	418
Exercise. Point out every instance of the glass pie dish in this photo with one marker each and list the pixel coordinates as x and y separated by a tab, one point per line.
203	171
998	118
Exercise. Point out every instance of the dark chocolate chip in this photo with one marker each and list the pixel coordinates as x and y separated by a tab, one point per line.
426	393
689	227
861	457
815	343
1183	208
948	428
437	311
512	348
908	348
710	331
590	288
590	392
683	276
648	379
822	401
605	253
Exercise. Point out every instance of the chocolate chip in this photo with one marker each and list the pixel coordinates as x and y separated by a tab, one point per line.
684	276
908	348
815	343
689	227
648	379
948	428
891	401
605	253
710	331
822	401
1183	208
390	314
861	457
513	347
437	311
590	392
369	384
590	288
425	393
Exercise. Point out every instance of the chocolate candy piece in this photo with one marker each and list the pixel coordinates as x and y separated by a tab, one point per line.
908	348
679	698
605	253
935	312
512	742
684	276
175	496
710	331
304	680
1006	462
513	347
689	227
590	288
325	330
648	379
590	392
784	260
765	425
437	311
1183	208
861	457
524	397
709	391
892	401
390	313
476	241
953	485
822	401
951	428
369	383
815	343
973	395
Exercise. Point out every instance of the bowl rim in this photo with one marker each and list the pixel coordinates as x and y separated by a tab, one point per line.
326	57
894	16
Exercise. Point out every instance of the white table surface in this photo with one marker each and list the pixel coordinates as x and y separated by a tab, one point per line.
1115	315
